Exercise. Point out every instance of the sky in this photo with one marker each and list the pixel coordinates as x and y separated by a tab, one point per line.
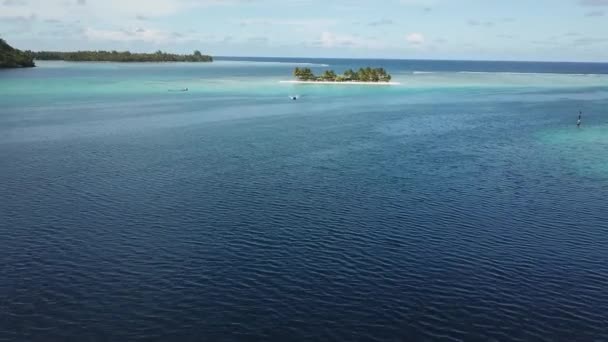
534	30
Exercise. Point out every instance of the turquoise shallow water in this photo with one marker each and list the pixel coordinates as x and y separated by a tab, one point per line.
463	204
582	149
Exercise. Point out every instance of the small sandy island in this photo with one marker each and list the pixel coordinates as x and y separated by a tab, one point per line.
343	82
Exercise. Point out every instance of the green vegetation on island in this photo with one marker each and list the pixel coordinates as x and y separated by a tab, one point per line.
14	58
363	75
122	56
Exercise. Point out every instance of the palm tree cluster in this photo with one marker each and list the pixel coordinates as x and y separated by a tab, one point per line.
304	74
362	75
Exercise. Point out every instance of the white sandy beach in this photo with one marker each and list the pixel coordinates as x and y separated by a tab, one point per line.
345	83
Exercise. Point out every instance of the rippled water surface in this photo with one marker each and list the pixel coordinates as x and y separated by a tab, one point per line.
462	205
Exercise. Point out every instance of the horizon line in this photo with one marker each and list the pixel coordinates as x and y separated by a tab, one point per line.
420	59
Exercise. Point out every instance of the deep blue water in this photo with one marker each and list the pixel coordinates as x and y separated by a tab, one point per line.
446	66
457	206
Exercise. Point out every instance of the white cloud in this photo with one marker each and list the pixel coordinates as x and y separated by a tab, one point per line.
334	40
307	24
418	2
86	9
14	3
594	2
127	35
595	14
330	40
415	38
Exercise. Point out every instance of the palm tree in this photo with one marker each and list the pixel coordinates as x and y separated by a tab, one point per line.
364	74
375	75
303	74
329	75
350	75
307	74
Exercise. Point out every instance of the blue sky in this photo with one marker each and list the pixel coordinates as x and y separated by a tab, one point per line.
553	30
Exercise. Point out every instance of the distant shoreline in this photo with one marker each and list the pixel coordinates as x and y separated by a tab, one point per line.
343	82
120	57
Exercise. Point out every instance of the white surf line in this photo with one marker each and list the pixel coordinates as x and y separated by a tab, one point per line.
345	83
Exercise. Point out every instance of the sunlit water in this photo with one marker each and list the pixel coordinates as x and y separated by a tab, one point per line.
464	204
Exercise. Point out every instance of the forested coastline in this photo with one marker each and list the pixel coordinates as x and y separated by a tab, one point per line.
120	56
14	58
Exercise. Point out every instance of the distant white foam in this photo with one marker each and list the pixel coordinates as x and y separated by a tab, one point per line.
523	73
500	73
423	72
313	64
270	63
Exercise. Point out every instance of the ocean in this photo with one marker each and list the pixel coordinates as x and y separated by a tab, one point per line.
461	205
